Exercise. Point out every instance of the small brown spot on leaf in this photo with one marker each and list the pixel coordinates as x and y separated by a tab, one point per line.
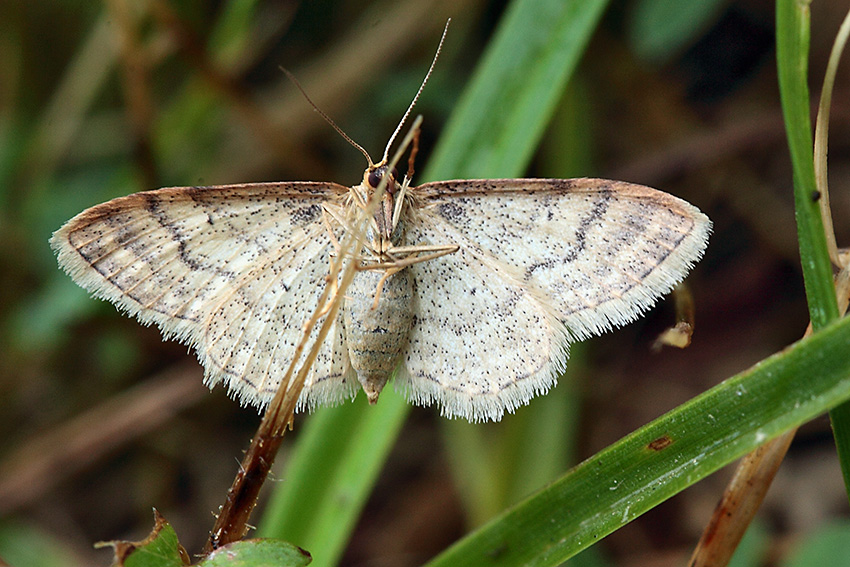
659	444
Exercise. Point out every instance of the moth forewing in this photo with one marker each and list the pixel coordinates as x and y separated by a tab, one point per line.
210	267
602	251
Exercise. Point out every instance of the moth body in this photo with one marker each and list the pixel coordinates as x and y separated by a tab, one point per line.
377	309
377	331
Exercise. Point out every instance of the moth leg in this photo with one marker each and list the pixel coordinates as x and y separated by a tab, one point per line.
380	287
329	215
391	268
403	256
398	262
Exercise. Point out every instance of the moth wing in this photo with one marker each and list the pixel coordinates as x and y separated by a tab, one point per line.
600	252
251	337
481	342
183	258
541	263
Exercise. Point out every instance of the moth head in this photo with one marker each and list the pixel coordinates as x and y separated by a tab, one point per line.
381	181
375	174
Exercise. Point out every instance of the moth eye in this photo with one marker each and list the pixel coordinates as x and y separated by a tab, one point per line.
375	178
395	174
377	175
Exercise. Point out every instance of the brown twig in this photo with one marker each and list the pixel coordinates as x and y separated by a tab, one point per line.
46	460
740	502
232	521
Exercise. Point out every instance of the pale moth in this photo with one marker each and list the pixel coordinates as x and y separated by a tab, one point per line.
470	290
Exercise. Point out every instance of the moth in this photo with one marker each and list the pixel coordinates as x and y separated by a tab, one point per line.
467	292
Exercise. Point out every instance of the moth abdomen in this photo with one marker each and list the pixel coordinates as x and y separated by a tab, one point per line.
378	332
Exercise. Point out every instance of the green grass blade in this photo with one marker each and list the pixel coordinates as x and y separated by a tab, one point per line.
495	464
792	52
513	93
630	477
330	474
658	30
517	87
493	133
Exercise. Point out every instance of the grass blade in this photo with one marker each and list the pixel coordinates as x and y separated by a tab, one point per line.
330	474
661	459
792	52
504	110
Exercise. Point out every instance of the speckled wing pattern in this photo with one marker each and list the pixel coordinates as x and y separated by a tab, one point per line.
233	271
542	263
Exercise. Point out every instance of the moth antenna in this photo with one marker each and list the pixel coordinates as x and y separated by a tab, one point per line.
327	118
419	92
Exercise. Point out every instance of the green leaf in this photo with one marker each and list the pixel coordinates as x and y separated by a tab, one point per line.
162	549
257	553
159	549
661	459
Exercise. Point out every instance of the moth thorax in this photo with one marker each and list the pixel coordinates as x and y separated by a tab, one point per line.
377	333
379	244
372	180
